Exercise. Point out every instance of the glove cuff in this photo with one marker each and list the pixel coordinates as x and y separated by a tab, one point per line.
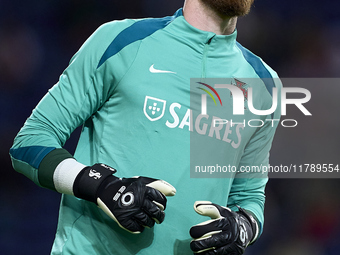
89	180
253	223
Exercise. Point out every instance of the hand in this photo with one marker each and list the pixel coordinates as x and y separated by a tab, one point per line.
134	203
227	232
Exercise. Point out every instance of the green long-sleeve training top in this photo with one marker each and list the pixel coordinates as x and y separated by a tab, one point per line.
129	86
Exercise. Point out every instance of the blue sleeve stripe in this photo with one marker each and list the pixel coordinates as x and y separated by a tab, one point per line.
137	31
259	68
33	155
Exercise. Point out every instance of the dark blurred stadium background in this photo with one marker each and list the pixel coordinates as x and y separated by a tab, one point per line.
296	38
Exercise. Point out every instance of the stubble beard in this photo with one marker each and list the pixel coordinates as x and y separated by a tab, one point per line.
230	8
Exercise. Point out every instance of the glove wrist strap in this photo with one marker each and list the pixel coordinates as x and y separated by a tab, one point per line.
253	223
89	180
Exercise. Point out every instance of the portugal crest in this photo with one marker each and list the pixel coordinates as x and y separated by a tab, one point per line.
244	88
154	108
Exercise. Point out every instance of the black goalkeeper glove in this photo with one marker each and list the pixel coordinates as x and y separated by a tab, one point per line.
134	203
227	232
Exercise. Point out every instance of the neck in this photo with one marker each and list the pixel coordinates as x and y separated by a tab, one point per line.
204	18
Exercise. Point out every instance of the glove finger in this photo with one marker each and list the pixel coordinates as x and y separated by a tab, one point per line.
210	242
166	188
127	224
131	225
210	227
157	197
144	219
214	211
154	211
211	252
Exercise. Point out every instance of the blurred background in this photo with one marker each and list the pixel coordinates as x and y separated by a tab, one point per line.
296	38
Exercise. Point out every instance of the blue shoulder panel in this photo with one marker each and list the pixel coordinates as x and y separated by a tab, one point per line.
33	155
137	31
259	68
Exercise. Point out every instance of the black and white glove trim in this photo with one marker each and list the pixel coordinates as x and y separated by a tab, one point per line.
88	181
227	232
252	221
134	203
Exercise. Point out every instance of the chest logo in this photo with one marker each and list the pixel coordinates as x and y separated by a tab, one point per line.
154	70
154	108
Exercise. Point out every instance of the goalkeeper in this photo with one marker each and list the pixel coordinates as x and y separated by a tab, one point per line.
128	85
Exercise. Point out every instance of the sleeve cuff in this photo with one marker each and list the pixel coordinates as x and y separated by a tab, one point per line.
48	165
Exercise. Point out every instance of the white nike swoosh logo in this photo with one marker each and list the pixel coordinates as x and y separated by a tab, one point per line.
153	70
